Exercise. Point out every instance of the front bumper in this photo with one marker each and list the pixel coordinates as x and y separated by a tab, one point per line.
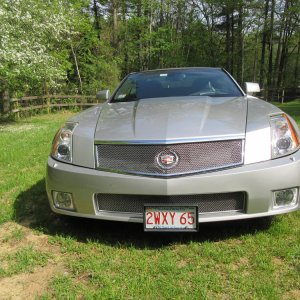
257	181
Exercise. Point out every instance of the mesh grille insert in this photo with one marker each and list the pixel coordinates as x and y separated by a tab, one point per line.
192	157
207	203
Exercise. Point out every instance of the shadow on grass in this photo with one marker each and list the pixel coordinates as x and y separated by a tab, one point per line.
31	209
7	120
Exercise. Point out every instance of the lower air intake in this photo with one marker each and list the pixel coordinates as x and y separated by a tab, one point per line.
207	203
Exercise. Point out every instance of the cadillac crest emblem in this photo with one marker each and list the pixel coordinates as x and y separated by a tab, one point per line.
167	159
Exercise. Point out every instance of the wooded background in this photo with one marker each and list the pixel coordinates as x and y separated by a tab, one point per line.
81	46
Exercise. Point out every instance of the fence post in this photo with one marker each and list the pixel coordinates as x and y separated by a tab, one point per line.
6	102
48	103
1	102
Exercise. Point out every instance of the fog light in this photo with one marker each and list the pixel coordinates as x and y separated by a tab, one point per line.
287	197
63	200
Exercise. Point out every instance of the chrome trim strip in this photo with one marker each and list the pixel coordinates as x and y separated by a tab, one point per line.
173	141
141	214
157	175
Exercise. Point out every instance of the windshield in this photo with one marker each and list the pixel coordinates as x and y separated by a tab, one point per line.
177	83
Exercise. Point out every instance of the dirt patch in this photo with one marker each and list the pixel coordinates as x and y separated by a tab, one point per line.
14	236
243	262
291	295
277	261
29	285
182	264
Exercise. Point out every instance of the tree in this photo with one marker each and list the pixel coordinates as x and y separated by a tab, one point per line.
80	46
29	31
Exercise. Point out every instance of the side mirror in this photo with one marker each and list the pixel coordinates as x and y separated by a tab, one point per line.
252	87
103	95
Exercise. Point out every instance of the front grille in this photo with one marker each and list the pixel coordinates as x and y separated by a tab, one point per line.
192	157
207	203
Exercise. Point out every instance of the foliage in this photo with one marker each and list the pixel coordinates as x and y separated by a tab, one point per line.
29	32
36	42
81	46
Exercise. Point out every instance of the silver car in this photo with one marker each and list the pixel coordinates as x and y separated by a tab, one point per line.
173	148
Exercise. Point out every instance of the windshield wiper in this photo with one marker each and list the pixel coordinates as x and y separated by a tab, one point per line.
125	100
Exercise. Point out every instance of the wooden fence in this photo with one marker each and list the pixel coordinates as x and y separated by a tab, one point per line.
279	95
15	106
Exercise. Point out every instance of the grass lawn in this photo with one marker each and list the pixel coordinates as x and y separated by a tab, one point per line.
49	257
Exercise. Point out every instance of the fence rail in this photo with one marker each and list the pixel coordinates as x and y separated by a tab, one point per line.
15	106
279	94
52	97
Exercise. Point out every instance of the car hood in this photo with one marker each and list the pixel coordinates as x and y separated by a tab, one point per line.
176	118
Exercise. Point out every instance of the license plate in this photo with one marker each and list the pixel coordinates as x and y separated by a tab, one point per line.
170	218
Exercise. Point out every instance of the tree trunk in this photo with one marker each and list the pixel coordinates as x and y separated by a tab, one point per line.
240	53
77	69
140	46
161	13
96	16
284	51
263	47
115	23
255	58
227	25
268	91
278	54
150	35
232	42
212	40
125	41
297	65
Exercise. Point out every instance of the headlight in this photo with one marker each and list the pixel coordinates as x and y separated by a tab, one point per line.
285	139
62	143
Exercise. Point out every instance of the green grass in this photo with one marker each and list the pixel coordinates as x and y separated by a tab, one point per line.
232	260
23	260
24	146
14	235
292	108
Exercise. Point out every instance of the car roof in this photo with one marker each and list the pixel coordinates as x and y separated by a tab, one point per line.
177	69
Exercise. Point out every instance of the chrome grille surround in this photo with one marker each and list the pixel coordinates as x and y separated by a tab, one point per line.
207	203
193	157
